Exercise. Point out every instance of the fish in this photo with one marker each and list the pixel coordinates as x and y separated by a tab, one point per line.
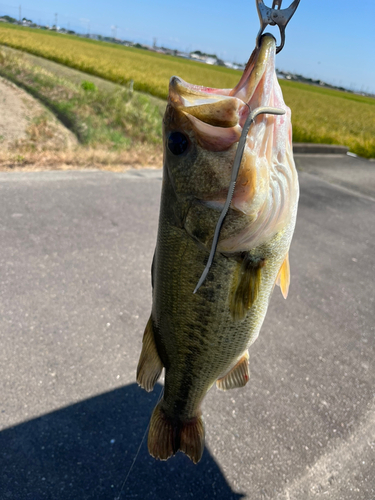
203	338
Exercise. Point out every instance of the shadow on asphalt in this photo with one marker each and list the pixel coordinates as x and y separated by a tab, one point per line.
85	451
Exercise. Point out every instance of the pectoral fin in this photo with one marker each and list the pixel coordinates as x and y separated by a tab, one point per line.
149	365
283	278
246	286
237	377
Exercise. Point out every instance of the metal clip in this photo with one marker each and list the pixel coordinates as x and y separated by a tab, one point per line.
275	16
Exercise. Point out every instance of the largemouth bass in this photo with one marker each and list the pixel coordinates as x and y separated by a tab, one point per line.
203	338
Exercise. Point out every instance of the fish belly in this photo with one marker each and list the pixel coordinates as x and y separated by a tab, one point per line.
197	339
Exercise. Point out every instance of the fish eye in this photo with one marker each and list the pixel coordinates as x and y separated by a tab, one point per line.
177	143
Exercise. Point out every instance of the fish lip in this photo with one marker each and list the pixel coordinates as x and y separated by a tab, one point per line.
214	114
199	89
247	84
267	34
217	116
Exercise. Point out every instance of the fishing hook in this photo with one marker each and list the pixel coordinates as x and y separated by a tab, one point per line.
235	169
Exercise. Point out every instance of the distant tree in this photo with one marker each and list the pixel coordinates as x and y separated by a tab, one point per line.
139	46
9	19
203	54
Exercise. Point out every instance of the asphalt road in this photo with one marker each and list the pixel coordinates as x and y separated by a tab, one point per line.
75	295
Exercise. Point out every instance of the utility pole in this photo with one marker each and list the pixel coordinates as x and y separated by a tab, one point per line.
56	21
20	15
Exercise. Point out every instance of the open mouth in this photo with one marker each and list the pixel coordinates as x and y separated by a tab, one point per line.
218	115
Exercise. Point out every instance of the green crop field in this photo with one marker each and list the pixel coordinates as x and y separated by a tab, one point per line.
319	115
149	71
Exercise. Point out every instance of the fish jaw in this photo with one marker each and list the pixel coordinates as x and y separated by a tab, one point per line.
266	191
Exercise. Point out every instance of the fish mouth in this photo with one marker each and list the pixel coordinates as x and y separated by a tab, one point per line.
218	115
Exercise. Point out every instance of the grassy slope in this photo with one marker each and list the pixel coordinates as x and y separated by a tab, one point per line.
76	76
114	118
112	124
319	114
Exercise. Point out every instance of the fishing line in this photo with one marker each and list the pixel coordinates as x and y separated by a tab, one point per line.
235	169
137	453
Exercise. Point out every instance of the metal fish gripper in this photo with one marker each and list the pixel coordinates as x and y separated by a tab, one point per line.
275	16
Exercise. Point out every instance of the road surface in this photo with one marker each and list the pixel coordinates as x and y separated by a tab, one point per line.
75	295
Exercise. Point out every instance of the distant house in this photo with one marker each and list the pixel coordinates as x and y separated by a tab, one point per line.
195	56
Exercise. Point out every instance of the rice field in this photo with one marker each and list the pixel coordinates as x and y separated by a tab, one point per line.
331	117
319	115
149	71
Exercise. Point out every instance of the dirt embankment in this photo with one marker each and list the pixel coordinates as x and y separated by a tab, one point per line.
13	114
24	120
27	129
32	137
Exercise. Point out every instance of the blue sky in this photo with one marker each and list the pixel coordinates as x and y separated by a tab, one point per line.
329	40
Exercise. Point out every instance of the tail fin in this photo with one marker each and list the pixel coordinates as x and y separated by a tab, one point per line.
166	437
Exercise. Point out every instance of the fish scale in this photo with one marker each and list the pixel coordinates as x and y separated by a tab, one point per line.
202	338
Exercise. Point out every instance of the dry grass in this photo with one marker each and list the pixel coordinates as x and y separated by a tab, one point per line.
80	157
45	133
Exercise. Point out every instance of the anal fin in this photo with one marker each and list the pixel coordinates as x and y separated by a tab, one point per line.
283	278
238	376
149	365
246	286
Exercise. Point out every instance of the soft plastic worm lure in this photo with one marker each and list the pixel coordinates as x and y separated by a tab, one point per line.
236	167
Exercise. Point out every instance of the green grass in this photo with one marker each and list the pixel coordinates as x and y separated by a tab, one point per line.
319	115
116	118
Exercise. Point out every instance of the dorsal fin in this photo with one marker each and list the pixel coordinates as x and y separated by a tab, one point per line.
283	278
